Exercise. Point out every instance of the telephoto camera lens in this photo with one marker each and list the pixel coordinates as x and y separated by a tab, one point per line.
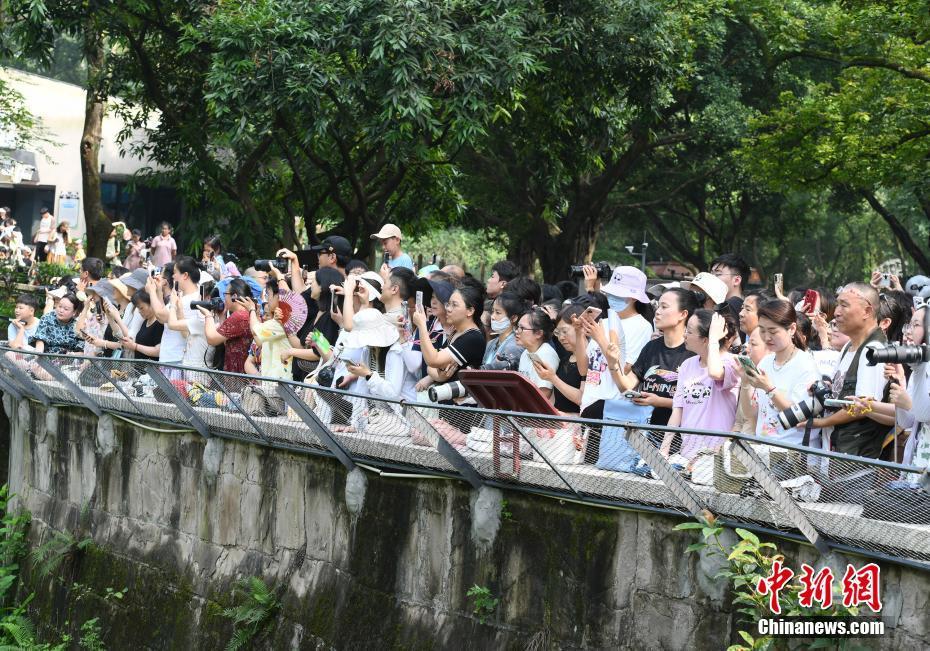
447	391
897	354
799	411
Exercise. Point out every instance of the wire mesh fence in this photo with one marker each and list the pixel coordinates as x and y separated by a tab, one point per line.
828	498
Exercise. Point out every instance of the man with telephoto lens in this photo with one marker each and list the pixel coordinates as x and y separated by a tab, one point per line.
856	317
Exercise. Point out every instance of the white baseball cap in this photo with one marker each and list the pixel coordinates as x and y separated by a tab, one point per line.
387	231
708	283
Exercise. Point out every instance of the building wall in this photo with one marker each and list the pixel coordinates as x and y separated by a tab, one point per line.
375	563
59	106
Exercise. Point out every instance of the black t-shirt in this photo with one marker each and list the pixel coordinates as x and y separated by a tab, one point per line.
467	350
568	373
657	369
149	335
312	310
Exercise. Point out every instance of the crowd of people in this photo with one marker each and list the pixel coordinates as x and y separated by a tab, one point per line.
707	354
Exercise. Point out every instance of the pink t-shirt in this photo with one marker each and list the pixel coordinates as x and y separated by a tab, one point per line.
705	403
163	249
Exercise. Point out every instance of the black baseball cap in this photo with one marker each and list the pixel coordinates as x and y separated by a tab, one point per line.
334	244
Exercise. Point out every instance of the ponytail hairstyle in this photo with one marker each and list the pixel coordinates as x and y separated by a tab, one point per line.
185	264
687	300
541	321
213	241
704	316
809	336
783	314
513	305
473	297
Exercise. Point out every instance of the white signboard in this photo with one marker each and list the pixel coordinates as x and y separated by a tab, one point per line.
69	208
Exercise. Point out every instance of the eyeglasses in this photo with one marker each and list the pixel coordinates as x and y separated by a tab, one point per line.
524	328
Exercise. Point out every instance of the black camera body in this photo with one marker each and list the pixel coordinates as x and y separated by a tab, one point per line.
603	270
281	264
897	354
215	304
806	409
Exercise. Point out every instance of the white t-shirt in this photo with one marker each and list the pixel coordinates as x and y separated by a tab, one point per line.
870	380
792	380
634	332
196	346
548	355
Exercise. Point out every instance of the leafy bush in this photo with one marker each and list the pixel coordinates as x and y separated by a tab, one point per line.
46	271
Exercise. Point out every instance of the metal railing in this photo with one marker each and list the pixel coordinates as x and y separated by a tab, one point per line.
827	499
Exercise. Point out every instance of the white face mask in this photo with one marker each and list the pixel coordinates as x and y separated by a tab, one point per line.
499	325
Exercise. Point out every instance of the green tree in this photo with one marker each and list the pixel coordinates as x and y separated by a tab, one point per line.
860	126
348	111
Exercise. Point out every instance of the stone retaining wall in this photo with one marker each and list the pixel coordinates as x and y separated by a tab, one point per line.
359	560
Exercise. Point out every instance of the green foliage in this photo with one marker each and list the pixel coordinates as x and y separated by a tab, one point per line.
258	608
484	602
748	561
505	511
47	557
46	271
471	249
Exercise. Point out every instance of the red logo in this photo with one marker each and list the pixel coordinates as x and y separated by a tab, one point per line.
860	587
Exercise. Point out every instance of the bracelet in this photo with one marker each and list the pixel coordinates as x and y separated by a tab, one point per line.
613	369
771	391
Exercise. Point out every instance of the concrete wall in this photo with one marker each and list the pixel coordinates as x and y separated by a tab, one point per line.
360	563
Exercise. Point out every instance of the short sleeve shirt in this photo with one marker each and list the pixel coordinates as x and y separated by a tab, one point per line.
58	337
657	369
238	339
548	355
403	260
467	350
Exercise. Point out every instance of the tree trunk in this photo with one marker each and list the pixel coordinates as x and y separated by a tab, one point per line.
899	230
98	225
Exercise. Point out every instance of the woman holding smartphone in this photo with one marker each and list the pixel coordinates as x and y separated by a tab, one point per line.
534	329
655	371
784	375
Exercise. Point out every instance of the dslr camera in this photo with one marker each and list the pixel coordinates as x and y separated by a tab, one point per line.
806	409
897	354
603	270
215	304
281	264
447	391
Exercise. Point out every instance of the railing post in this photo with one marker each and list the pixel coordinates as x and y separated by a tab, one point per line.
316	425
449	453
168	389
519	430
770	484
25	381
52	369
668	475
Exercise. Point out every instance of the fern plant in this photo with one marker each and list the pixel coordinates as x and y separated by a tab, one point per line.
47	557
254	614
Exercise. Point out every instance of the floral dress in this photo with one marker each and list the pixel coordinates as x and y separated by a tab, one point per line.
58	337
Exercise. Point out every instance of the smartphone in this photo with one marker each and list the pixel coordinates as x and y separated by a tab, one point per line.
176	286
747	364
885	281
779	280
332	303
386	259
630	395
435	258
592	312
420	300
811	299
535	357
838	404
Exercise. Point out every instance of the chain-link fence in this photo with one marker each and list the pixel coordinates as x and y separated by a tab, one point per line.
829	499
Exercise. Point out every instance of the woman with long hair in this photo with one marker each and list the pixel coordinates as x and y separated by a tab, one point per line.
704	398
784	374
